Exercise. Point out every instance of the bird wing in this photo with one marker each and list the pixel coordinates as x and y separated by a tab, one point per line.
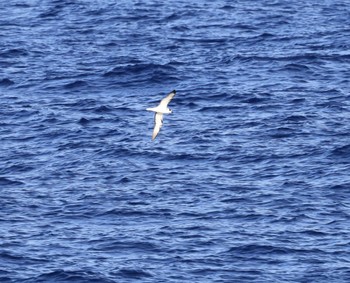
165	101
158	122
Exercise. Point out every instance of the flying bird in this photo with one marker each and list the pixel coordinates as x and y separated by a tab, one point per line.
161	109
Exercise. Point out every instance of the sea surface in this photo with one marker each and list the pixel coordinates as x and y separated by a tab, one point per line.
247	181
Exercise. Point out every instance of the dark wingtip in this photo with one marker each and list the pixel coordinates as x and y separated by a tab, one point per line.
174	91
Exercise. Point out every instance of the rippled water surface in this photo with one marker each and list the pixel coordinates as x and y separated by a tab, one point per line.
248	180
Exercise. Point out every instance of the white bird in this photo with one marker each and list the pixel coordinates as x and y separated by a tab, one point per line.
161	109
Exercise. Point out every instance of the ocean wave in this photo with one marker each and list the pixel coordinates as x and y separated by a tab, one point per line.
247	180
9	182
132	274
76	84
341	151
6	82
61	275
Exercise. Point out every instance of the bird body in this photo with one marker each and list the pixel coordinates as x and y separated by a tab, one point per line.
161	109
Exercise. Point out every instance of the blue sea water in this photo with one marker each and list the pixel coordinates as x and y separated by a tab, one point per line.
248	180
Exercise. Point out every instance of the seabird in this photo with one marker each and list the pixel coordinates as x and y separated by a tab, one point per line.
161	109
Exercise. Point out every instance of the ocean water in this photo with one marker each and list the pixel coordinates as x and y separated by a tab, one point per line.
249	178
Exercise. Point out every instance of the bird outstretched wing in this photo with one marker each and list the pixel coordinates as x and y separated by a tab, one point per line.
158	122
165	101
